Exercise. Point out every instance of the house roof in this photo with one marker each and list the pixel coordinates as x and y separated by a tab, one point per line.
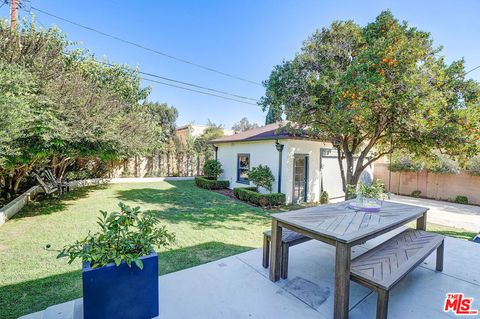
268	132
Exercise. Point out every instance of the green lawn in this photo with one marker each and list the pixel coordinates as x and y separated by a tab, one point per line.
208	226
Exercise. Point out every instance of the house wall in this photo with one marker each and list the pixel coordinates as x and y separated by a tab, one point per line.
265	153
261	152
312	149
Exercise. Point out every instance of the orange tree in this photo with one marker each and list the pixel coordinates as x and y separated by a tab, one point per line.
375	88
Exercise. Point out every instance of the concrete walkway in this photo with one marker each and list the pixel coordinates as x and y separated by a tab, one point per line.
446	213
238	287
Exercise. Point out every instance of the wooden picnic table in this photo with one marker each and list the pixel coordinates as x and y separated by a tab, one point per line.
342	227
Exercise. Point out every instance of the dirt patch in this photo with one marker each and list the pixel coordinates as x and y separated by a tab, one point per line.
227	192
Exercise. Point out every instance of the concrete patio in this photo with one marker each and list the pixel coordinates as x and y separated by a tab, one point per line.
238	287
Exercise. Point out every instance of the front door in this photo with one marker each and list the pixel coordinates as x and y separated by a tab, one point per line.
300	177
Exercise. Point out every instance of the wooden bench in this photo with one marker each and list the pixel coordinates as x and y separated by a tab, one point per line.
289	239
384	266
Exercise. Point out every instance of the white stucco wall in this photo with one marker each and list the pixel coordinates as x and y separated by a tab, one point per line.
312	149
265	152
261	152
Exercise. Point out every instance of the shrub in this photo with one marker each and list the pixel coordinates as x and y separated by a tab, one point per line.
206	183
262	177
461	199
212	169
406	163
443	164
324	197
473	166
126	235
376	190
251	195
416	193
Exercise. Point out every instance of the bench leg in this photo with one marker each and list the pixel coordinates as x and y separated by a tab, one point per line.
266	251
440	249
284	273
382	304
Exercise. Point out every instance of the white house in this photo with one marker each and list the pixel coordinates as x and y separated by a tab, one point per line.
303	167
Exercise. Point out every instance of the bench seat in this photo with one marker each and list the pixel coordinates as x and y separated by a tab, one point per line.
386	264
289	239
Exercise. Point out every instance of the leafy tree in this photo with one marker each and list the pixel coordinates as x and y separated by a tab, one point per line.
262	176
58	105
374	88
201	144
244	125
273	116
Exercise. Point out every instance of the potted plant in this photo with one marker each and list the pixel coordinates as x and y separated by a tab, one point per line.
120	266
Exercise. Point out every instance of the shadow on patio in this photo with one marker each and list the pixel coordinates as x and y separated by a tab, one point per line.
35	295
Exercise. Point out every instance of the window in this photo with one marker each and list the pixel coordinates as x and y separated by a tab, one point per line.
243	166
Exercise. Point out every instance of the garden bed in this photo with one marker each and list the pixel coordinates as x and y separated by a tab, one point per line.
252	196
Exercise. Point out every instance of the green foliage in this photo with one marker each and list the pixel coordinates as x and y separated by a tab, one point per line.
406	163
374	87
376	190
473	166
124	236
59	104
212	169
251	195
443	164
201	145
416	193
461	199
324	199
210	183
273	116
262	176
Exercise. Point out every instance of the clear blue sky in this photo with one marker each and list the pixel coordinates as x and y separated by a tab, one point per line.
245	38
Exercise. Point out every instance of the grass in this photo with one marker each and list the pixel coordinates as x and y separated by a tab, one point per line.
208	226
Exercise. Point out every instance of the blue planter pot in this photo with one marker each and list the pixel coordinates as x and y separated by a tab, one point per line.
121	292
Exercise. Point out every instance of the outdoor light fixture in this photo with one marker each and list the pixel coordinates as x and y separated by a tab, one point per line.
280	150
336	141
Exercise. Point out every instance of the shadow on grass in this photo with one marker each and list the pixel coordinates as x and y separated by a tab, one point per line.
47	204
36	295
460	233
188	203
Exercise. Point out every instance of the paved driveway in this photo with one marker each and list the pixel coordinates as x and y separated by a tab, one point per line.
446	213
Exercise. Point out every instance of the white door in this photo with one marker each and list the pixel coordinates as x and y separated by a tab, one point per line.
331	179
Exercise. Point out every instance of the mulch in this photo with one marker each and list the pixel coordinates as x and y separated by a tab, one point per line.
226	192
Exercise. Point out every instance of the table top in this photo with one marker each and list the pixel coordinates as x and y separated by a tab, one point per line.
339	223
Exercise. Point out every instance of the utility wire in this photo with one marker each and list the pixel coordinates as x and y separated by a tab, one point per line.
478	66
190	84
147	48
197	91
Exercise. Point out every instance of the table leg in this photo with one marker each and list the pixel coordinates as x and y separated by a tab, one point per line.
342	281
275	251
422	222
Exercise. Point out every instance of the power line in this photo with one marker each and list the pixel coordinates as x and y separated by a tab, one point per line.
197	91
191	84
147	48
478	66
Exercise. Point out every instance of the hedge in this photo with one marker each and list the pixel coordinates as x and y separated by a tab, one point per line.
206	183
251	195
